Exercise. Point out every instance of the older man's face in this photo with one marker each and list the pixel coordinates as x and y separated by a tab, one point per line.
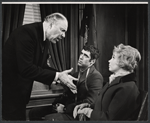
57	31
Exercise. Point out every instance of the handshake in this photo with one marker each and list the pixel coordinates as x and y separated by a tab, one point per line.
66	79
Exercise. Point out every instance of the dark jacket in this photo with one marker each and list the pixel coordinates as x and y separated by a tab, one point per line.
87	90
117	101
24	60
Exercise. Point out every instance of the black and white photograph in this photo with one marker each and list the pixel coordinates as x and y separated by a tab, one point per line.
74	61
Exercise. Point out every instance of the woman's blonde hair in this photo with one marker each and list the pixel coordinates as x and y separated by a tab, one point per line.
128	57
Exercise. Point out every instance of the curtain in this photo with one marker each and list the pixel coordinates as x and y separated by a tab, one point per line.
88	28
63	53
110	25
137	36
12	17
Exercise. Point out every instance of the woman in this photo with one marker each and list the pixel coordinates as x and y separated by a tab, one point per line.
119	97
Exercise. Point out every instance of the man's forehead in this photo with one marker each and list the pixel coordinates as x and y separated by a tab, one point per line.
63	24
86	52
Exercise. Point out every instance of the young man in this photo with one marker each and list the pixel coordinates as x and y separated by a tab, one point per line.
89	84
24	59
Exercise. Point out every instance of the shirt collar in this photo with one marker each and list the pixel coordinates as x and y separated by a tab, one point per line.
44	29
126	78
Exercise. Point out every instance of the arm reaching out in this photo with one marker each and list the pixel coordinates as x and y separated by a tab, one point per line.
67	79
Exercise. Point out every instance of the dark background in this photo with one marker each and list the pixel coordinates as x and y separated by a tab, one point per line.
109	25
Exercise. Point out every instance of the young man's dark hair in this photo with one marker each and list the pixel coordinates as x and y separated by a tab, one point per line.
93	50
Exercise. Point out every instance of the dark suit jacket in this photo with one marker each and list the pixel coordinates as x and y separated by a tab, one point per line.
87	91
23	62
117	101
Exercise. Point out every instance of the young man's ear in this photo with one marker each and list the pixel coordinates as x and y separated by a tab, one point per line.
93	61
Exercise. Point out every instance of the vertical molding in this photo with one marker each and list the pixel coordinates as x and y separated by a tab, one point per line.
137	41
138	26
145	47
126	25
81	39
74	16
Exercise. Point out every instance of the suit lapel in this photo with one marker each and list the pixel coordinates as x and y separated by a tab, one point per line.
45	52
39	38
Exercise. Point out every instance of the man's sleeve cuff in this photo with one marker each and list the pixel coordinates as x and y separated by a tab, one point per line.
56	76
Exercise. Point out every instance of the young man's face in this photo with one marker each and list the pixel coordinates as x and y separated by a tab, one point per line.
56	31
84	59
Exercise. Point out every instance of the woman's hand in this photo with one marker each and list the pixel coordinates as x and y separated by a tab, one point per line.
81	106
86	111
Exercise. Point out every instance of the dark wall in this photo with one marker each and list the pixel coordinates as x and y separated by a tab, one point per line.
125	24
137	36
110	21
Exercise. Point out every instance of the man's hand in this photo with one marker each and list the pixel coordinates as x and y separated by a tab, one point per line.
81	106
71	79
60	108
67	79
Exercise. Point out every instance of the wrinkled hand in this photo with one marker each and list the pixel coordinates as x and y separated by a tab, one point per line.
86	111
67	79
81	106
74	91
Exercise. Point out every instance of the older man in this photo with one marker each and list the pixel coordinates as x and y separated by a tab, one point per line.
25	60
